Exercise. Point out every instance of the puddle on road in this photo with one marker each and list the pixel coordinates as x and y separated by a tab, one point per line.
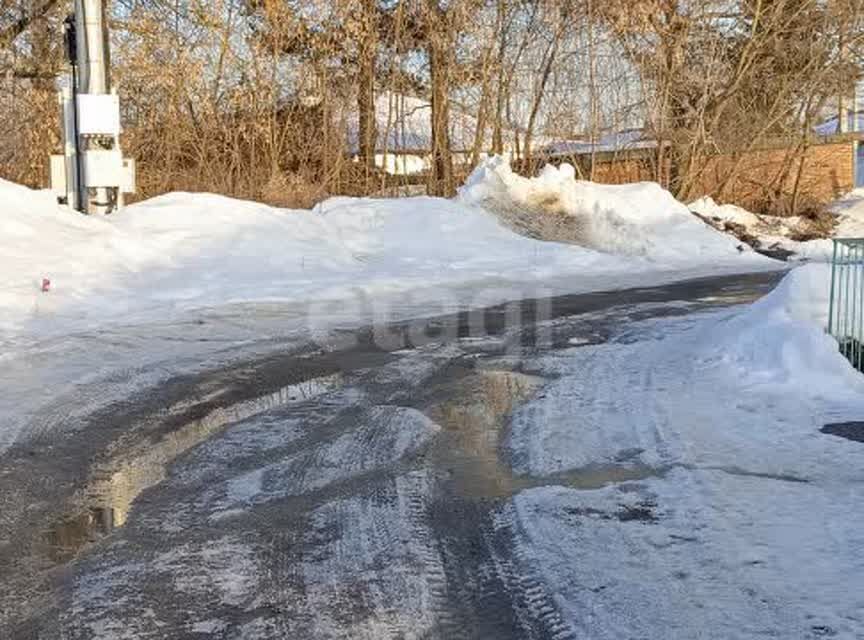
474	417
114	485
850	430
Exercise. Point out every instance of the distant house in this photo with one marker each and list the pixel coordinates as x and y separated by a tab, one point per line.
832	165
831	126
617	157
404	134
614	142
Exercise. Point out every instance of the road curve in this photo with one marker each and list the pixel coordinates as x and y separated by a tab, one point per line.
358	488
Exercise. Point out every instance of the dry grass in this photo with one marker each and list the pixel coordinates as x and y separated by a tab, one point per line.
816	224
545	219
292	191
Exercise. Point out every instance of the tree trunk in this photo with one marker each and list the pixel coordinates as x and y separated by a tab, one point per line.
548	62
486	93
441	180
366	125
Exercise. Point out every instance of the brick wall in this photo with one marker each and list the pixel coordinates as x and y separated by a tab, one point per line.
609	168
622	171
752	178
828	172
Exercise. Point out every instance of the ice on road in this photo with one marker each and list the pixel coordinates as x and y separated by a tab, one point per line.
650	481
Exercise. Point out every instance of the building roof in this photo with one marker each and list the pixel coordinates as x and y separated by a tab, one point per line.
404	126
624	140
831	127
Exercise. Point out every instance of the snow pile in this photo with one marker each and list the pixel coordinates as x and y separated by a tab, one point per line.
187	251
640	219
773	233
782	339
739	500
767	233
724	383
850	214
708	208
193	250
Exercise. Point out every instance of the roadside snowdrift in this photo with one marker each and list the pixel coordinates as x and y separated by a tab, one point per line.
740	499
709	389
187	251
640	219
782	339
778	234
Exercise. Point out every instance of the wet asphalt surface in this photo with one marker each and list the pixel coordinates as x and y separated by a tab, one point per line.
323	491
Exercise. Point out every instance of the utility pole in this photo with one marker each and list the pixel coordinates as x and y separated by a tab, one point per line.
91	176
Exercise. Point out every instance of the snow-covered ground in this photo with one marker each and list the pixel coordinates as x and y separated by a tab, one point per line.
746	522
774	232
723	513
174	253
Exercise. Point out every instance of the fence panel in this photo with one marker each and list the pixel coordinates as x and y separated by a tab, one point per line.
846	311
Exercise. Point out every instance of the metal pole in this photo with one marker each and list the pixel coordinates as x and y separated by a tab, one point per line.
93	76
831	299
853	303
80	188
859	334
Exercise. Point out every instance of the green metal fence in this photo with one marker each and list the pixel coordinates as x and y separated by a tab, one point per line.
846	310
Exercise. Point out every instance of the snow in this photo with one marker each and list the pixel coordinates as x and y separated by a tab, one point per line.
850	214
724	390
640	219
164	257
742	520
706	206
729	557
782	337
396	431
774	231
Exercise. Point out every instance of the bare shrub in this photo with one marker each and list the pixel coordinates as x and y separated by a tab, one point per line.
292	190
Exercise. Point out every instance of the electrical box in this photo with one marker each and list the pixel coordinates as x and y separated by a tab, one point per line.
98	114
103	168
127	185
58	176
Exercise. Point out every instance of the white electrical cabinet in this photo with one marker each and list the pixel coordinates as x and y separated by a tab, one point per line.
127	184
98	114
92	175
103	168
58	176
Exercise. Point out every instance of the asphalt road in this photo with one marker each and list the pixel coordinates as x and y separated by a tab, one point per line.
353	488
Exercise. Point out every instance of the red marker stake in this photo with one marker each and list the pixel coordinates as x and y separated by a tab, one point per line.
46	285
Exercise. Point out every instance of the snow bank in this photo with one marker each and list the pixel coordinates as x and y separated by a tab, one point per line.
640	219
187	251
782	338
719	389
183	251
708	208
850	214
740	499
773	232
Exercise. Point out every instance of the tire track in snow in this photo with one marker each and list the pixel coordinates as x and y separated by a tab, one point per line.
416	503
534	606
